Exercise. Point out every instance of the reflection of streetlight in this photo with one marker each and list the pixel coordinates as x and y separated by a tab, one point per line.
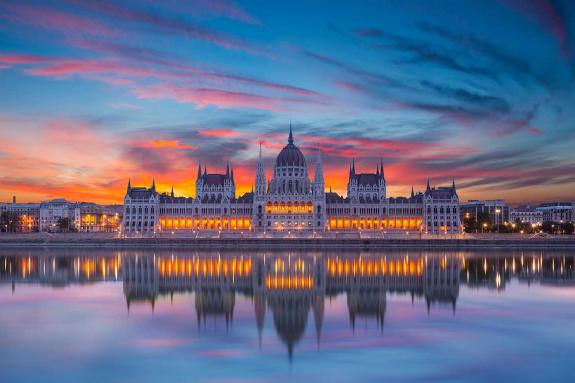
484	226
497	220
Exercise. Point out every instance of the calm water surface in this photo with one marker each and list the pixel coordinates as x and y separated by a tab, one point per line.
114	316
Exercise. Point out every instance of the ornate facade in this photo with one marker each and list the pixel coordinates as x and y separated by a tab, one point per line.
292	202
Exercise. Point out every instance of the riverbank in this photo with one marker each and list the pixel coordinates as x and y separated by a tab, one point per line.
45	240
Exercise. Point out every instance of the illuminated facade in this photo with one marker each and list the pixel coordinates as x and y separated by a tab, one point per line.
292	202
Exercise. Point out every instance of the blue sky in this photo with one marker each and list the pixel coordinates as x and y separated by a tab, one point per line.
480	91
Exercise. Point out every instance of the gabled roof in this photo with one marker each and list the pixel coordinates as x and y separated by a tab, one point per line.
365	179
214	179
441	192
140	192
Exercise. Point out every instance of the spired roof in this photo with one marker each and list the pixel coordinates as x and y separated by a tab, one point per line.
290	155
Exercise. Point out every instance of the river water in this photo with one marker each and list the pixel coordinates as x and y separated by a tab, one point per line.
185	316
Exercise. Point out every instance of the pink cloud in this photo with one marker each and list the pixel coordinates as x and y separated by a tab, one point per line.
171	24
49	18
14	59
203	97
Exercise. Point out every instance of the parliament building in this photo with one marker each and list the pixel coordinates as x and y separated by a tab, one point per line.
291	202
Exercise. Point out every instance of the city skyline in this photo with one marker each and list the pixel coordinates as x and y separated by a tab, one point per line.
147	90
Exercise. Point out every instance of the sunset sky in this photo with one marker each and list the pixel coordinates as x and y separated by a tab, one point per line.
93	93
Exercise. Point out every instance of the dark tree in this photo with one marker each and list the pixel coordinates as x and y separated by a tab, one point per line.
63	224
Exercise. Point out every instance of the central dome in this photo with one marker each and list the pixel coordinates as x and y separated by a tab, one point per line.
290	154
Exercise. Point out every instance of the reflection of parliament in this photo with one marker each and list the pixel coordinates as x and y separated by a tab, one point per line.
291	202
287	288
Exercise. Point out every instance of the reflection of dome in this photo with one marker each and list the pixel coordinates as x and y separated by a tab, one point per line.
290	317
290	154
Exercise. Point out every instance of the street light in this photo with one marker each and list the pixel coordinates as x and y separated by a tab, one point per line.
497	220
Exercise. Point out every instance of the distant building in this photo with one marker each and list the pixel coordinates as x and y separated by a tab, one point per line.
526	214
556	211
52	212
20	217
291	201
497	209
99	218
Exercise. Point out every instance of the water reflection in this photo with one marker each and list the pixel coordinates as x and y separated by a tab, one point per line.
290	286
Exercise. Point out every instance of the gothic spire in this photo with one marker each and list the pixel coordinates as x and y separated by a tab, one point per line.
318	177
199	170
290	138
227	169
205	170
172	191
353	166
153	185
232	175
412	193
129	185
428	187
453	184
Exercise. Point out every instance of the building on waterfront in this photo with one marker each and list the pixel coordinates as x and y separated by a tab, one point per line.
526	214
19	217
496	209
99	218
291	202
52	214
49	216
556	211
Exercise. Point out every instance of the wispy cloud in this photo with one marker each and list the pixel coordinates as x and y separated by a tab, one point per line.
55	20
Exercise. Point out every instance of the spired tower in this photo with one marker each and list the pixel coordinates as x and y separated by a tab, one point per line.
291	202
260	194
319	194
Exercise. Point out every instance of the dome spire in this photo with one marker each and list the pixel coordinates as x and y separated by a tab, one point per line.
290	138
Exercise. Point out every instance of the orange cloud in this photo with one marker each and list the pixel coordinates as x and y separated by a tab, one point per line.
175	144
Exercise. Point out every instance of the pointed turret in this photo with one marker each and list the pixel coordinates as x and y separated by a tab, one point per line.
172	194
129	186
412	193
153	185
260	176
381	172
453	184
318	183
205	170
353	166
428	188
290	138
199	171
232	176
227	169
